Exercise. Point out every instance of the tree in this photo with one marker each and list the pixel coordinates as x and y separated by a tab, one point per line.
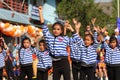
83	10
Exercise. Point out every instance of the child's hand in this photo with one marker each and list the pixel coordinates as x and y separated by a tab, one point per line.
69	27
40	14
93	20
77	26
103	29
40	8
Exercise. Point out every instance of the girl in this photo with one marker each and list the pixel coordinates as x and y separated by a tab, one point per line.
57	44
44	61
112	58
3	48
25	58
88	55
76	53
101	66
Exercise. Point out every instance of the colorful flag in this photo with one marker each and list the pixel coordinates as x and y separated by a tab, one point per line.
118	23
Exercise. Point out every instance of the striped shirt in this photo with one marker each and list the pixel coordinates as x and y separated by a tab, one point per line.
89	54
57	45
25	56
112	56
44	60
2	57
75	48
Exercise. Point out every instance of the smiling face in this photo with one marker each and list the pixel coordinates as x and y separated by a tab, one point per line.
26	43
88	40
57	30
113	44
41	46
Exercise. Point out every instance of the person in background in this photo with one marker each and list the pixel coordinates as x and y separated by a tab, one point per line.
9	65
16	72
117	34
106	35
3	48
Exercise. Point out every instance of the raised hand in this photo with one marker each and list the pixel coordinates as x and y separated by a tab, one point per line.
77	27
103	29
93	21
40	8
69	27
40	14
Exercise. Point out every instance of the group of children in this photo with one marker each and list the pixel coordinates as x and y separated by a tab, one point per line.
95	54
91	56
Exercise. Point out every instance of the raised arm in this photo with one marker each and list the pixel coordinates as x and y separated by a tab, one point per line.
41	15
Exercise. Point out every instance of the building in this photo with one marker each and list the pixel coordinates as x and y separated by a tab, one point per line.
25	12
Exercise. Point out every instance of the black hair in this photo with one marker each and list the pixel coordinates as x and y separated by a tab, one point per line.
91	36
44	43
25	38
113	38
61	26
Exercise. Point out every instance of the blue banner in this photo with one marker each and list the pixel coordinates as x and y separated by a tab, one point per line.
118	23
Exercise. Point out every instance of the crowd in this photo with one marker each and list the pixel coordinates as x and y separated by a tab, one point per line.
96	56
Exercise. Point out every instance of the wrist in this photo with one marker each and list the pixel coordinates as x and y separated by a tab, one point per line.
72	30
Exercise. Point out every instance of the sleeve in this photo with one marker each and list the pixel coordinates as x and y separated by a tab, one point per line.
4	53
95	35
106	46
95	40
76	38
46	32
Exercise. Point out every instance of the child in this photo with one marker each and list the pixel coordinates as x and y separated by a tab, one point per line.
2	63
16	72
25	59
88	55
9	64
57	44
44	61
3	48
112	58
107	37
76	53
101	66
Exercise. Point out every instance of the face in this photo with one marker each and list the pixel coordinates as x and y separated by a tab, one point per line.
113	44
100	38
88	41
26	43
41	46
57	30
116	33
88	28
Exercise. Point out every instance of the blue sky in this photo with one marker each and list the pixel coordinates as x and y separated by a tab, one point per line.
103	0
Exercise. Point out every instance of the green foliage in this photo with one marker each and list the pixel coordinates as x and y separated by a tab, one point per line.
84	11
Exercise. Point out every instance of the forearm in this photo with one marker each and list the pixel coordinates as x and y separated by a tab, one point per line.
41	15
